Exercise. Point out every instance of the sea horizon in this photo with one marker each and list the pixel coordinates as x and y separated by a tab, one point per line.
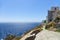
16	28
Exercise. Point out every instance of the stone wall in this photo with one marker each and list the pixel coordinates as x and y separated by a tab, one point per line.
53	13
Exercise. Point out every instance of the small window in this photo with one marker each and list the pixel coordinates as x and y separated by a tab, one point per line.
55	8
50	20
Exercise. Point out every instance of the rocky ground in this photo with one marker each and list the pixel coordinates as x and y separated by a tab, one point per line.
43	35
48	35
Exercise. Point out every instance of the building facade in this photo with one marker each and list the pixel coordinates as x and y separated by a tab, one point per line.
53	13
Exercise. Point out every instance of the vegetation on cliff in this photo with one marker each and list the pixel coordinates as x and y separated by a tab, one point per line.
49	26
9	37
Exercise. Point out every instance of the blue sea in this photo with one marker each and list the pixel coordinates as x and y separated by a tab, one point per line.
15	28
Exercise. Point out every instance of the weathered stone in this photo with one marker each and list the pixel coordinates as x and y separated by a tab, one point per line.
53	13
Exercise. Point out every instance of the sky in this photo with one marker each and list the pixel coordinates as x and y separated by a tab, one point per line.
25	10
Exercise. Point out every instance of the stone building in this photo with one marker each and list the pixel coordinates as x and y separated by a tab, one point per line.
53	13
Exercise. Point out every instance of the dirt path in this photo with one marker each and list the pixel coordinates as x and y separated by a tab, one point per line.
45	35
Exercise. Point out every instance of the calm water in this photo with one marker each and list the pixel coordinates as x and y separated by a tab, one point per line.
15	28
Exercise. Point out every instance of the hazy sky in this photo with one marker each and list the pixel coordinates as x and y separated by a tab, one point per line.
25	10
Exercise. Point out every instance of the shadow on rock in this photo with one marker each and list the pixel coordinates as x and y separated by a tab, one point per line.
35	32
30	38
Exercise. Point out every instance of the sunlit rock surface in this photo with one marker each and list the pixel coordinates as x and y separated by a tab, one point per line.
48	35
43	35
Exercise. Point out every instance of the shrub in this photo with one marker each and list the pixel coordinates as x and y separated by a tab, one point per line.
9	37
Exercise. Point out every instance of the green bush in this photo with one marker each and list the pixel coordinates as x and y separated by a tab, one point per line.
57	30
9	37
